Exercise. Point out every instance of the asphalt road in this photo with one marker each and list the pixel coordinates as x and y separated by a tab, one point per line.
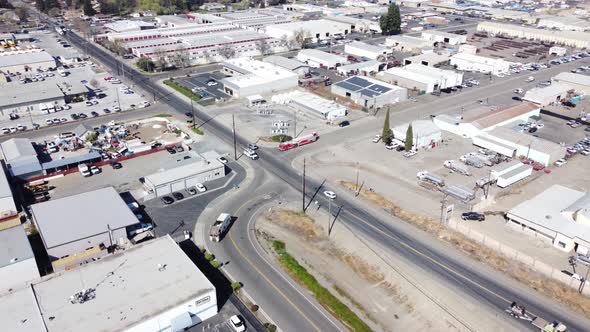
490	287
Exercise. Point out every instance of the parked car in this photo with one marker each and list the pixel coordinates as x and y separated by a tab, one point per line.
179	149
410	153
236	323
94	169
252	146
560	162
167	200
116	165
376	139
223	160
178	196
171	150
473	216
330	194
344	124
200	187
192	191
94	114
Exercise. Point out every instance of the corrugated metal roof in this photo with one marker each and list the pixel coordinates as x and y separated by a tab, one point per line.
77	217
522	139
572	78
181	172
492	118
284	62
71	160
14	244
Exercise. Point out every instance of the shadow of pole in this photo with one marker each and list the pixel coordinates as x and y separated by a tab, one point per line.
312	198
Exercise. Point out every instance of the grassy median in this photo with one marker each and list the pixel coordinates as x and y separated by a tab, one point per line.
324	297
182	89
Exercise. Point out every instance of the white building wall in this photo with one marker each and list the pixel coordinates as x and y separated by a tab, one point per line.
7	207
162	322
362	52
18	274
451	40
184	182
493	66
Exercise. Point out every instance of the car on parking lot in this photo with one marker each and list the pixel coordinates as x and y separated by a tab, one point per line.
410	153
200	187
88	103
94	114
212	83
178	196
223	160
74	116
179	149
21	127
167	200
171	150
94	169
585	152
116	165
330	194
344	123
48	122
106	111
252	146
376	139
473	216
82	116
62	120
560	162
191	191
236	323
145	103
5	130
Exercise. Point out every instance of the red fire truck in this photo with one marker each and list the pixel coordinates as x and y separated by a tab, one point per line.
299	141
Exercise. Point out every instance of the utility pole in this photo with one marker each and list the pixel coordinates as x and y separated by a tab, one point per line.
193	112
329	214
295	127
303	191
118	100
443	207
233	124
356	186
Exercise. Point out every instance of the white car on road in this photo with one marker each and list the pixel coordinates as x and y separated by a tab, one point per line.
376	139
330	194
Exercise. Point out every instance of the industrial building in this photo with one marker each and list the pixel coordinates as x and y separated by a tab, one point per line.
426	134
20	158
71	225
477	63
128	25
357	24
8	210
513	143
22	62
311	104
195	169
316	58
421	78
430	59
364	68
17	261
579	82
250	77
576	39
559	215
567	23
255	19
547	95
368	92
290	64
473	122
407	44
152	286
314	30
438	37
365	50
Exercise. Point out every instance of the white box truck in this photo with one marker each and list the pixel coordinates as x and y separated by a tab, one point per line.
220	226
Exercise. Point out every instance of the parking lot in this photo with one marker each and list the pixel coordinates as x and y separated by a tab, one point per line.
202	84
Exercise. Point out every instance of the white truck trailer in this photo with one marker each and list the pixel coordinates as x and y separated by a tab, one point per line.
220	227
514	175
456	166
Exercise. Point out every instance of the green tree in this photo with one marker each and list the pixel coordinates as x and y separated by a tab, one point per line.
146	64
88	9
386	134
409	137
391	22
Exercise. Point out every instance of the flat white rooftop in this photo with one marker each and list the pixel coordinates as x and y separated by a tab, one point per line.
129	287
256	72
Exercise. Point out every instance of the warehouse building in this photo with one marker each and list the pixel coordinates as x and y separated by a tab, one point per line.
196	169
441	37
290	64
567	23
357	24
251	77
473	122
21	158
364	68
17	261
8	210
548	95
317	58
568	38
206	48
368	92
111	295
477	63
421	78
25	61
311	104
430	59
256	19
559	215
128	26
579	82
426	133
314	30
515	144
72	225
155	34
365	50
407	44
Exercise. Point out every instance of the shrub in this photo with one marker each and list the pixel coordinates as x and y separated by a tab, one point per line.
254	308
215	264
281	138
236	285
209	256
270	327
198	131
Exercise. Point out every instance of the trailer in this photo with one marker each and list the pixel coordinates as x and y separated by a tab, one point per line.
303	140
455	166
424	176
472	160
514	175
545	326
463	194
220	227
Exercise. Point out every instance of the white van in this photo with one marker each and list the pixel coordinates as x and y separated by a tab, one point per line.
84	170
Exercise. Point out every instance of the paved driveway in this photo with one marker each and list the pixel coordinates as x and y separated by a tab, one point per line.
201	80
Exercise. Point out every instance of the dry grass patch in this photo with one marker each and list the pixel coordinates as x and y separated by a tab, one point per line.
550	287
298	222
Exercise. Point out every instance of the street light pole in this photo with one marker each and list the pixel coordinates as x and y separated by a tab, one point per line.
329	215
233	123
303	191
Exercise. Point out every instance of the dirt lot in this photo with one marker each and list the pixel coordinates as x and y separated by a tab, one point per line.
384	301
